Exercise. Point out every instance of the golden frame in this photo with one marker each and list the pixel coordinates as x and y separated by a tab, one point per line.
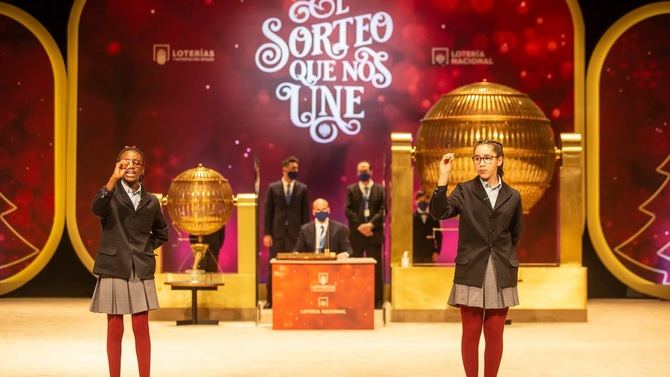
60	91
73	70
603	249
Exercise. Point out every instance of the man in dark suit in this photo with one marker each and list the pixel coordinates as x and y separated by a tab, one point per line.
286	209
366	209
324	234
427	238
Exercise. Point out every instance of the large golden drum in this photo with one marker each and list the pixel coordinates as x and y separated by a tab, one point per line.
486	110
200	201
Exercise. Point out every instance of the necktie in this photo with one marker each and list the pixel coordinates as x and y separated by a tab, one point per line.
288	193
322	239
366	203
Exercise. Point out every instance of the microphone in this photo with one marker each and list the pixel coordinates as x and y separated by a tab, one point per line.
327	249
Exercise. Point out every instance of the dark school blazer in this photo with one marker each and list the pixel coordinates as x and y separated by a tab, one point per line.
129	236
483	231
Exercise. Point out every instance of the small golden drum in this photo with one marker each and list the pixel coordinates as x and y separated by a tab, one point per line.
200	201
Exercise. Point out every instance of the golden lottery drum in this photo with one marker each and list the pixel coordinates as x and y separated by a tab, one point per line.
200	201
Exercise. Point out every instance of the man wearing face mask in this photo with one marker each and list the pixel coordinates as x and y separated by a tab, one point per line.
426	234
366	209
323	234
286	210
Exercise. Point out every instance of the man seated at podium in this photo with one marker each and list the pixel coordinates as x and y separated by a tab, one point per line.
323	234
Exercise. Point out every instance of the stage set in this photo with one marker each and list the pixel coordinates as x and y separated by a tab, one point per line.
219	94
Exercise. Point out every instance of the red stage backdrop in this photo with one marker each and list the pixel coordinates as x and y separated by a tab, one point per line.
635	149
224	82
26	147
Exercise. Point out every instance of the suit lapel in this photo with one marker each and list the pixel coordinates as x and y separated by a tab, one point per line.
280	194
504	194
144	199
357	194
478	190
374	192
122	195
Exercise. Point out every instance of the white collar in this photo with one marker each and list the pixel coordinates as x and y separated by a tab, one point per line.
487	186
129	189
363	186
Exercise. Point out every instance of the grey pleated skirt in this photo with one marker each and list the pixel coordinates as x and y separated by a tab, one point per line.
121	296
487	297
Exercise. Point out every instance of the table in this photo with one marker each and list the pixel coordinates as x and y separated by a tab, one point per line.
319	294
194	287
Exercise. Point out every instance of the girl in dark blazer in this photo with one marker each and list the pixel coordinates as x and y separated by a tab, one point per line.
132	227
489	227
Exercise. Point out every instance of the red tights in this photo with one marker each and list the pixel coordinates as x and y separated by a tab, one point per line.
142	343
493	322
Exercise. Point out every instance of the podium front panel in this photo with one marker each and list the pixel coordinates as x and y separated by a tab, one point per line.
323	294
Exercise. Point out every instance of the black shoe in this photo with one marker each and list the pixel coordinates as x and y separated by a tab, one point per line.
268	305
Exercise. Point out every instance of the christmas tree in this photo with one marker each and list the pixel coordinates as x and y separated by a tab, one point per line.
649	248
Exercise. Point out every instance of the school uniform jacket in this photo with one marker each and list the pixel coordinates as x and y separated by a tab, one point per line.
483	231
129	236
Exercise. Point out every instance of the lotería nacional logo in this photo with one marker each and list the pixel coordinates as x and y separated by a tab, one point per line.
163	53
443	56
322	279
326	62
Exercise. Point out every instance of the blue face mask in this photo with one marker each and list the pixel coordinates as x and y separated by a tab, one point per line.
322	216
363	176
293	175
422	206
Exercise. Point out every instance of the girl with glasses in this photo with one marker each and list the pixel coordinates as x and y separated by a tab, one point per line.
490	225
132	227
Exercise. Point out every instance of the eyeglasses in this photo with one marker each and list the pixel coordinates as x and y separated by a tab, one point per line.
487	159
135	162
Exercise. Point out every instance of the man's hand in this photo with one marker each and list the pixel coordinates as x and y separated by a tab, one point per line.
344	255
366	229
267	240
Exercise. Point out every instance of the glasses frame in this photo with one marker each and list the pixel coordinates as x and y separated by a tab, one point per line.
483	158
134	162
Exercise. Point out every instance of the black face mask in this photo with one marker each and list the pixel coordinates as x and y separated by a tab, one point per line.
293	175
422	206
322	215
363	176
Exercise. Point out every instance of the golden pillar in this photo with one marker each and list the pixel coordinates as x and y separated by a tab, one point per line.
571	200
402	178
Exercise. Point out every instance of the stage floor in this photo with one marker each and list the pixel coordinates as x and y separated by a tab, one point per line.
59	337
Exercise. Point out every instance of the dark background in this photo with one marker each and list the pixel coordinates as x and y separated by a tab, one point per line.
65	276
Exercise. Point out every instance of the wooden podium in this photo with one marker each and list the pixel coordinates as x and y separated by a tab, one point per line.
323	294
